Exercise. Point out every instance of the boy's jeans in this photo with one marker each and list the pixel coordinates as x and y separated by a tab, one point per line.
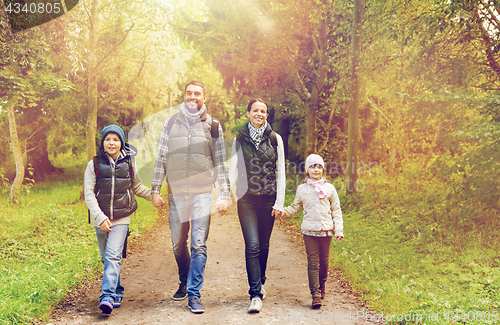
185	211
111	247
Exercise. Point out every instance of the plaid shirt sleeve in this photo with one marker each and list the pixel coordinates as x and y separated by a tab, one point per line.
160	169
220	163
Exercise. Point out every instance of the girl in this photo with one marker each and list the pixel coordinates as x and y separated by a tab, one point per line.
321	210
109	193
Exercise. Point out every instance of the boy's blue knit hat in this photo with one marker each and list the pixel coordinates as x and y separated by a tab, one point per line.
113	129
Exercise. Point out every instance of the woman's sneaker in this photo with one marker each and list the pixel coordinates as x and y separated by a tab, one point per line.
255	305
181	293
106	305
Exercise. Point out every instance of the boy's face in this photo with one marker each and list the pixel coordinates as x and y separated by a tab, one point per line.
112	144
315	171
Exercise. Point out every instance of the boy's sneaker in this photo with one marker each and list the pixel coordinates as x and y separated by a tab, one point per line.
118	302
263	292
255	305
195	305
181	293
106	305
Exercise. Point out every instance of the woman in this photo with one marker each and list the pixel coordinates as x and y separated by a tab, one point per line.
258	164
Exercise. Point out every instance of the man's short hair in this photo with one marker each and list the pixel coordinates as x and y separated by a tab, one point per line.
198	84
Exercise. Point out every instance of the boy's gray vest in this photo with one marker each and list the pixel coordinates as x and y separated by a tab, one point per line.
190	167
260	165
114	188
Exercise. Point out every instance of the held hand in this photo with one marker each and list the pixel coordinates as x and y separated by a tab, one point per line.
106	226
276	213
339	238
158	200
222	206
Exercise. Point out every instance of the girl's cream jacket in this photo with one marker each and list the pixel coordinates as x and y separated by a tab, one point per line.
319	214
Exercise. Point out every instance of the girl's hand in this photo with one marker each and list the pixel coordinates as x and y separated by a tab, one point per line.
338	238
106	226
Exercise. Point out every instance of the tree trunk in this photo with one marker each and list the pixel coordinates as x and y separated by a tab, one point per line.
319	82
353	128
92	90
38	157
15	190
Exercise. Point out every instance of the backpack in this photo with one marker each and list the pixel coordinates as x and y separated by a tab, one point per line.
214	125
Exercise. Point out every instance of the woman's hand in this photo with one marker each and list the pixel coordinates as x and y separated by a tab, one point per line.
106	225
276	213
338	238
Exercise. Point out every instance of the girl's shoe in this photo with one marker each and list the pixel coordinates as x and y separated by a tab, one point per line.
316	303
323	291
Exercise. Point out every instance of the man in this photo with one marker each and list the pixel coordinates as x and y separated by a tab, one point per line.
192	159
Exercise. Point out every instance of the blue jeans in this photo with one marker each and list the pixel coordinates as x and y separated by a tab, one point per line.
254	212
185	211
111	247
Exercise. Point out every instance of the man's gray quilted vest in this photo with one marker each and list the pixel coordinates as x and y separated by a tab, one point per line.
190	168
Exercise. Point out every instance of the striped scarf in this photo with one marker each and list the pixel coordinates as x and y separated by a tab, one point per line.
256	134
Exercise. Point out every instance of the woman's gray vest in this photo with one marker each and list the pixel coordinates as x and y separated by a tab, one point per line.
190	168
260	165
114	188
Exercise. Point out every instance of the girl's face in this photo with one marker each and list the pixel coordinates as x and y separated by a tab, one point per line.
257	114
315	172
112	144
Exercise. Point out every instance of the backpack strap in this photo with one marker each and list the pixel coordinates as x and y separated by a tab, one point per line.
95	161
171	122
214	131
274	141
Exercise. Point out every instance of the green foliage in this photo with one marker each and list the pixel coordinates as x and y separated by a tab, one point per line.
47	248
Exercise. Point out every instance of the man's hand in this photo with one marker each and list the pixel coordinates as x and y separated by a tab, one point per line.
106	225
158	200
222	206
276	213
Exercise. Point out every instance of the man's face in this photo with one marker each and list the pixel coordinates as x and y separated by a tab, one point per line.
194	97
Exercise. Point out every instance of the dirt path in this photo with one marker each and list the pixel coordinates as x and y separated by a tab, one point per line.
149	275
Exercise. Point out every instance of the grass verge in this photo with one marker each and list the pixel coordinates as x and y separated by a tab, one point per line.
47	248
417	260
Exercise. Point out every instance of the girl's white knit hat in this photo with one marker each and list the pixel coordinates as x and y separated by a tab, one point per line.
314	159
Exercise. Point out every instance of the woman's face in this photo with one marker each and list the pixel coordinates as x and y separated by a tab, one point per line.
257	114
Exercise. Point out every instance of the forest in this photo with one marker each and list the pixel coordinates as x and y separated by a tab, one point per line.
400	97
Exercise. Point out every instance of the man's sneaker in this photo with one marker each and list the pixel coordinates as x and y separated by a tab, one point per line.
255	305
106	305
118	302
195	305
263	292
181	293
